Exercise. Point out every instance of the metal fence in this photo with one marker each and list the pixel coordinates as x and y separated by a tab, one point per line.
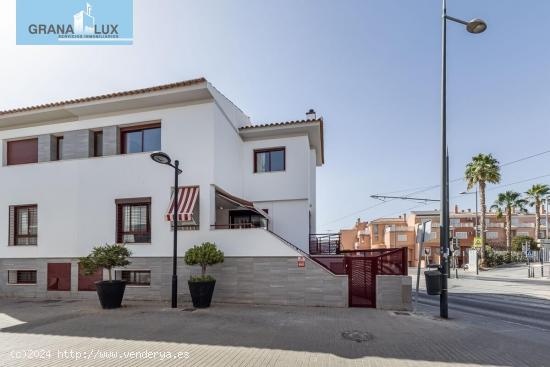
362	267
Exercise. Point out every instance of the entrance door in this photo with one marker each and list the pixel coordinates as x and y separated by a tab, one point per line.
361	281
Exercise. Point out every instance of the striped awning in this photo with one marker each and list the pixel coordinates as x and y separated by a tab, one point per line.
187	199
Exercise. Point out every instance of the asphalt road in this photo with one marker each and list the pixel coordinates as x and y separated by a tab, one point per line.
496	297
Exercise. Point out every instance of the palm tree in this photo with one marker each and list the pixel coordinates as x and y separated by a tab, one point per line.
483	169
508	202
535	195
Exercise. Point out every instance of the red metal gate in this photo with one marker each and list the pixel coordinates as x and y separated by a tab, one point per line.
362	269
361	281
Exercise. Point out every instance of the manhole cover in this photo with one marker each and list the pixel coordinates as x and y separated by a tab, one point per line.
357	336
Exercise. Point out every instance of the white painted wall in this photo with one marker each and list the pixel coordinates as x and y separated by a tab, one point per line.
285	185
76	198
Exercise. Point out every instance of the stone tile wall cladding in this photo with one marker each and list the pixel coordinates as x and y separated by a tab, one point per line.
253	280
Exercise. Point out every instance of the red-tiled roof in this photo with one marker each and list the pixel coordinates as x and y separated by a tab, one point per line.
107	96
296	122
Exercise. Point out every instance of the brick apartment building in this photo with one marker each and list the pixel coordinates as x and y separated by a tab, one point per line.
402	231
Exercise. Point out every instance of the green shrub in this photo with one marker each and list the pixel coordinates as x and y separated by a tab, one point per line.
204	255
519	241
106	257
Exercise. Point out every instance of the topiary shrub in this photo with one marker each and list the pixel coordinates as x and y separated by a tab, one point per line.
204	255
519	241
107	257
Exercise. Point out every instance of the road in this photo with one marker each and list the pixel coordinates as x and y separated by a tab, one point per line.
505	295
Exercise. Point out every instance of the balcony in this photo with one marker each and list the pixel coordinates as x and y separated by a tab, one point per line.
324	244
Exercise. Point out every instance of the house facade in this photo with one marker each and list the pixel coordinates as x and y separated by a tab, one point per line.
78	174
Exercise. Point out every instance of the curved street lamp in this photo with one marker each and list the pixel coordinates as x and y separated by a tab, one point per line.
163	158
474	26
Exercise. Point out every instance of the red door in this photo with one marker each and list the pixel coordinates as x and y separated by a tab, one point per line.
59	276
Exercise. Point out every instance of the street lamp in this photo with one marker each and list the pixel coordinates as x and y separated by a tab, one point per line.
163	158
474	26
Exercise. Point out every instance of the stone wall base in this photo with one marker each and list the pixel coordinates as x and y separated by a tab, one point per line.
252	280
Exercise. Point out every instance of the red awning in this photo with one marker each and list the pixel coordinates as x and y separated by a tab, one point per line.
187	199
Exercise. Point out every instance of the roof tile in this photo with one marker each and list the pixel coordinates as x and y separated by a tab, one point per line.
106	96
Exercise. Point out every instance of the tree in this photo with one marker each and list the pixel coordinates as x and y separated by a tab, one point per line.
107	257
506	203
204	255
519	241
483	169
535	195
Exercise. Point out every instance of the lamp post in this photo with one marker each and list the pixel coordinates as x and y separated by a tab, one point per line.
163	158
474	26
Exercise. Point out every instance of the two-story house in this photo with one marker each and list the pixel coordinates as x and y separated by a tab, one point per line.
78	173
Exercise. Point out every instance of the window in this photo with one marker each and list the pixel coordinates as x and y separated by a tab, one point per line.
402	237
59	148
134	277
21	276
98	143
515	222
246	219
492	235
461	235
375	231
22	151
134	220
23	225
269	160
523	234
140	139
455	222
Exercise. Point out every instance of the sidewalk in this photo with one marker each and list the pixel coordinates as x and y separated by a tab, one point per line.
78	332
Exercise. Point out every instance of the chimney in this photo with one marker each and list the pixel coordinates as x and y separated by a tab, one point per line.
311	115
405	216
456	208
469	210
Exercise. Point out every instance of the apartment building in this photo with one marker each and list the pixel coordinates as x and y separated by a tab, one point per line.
402	232
77	174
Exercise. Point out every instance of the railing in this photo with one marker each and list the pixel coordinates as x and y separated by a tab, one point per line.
324	244
236	226
389	261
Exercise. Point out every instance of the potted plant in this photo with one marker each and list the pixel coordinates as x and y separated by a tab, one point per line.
110	292
201	287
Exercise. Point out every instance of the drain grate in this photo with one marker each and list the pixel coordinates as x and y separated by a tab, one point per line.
402	313
357	336
189	309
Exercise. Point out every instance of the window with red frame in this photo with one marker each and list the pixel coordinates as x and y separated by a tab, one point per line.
133	220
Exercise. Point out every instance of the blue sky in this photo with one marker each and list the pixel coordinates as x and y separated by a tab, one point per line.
370	68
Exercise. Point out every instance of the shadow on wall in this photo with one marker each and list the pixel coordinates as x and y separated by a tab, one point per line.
302	329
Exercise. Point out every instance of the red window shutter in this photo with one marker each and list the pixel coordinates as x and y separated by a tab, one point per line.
119	212
59	276
22	151
87	282
11	239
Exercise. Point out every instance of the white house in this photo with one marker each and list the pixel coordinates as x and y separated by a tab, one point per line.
78	173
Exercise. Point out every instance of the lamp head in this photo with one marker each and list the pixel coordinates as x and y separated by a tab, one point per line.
476	26
161	158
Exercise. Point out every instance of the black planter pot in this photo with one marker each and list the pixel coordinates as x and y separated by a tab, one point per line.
201	293
110	293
